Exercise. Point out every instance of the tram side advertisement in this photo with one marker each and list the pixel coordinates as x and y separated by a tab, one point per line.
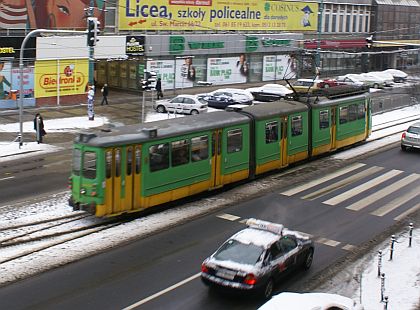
217	15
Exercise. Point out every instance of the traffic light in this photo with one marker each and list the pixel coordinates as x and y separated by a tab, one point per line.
93	31
369	41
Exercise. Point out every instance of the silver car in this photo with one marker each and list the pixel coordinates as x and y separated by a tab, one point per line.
186	104
411	137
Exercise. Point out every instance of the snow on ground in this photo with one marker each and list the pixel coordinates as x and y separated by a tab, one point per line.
403	273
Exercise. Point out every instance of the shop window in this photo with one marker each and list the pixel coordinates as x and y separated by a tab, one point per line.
324	119
234	140
343	115
180	151
297	125
271	132
199	148
159	156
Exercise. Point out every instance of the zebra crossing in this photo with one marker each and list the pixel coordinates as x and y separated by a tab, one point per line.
370	183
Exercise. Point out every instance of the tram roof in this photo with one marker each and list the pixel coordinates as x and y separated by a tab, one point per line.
160	129
276	108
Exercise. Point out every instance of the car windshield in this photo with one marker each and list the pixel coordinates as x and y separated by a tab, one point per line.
202	100
233	250
415	130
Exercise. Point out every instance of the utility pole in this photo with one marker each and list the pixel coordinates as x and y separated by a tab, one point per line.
318	45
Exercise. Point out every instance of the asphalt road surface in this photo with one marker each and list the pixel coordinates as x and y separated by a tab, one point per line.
342	210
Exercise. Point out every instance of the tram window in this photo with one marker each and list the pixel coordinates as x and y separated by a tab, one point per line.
343	115
361	111
117	162
108	159
77	160
138	159
180	152
89	165
234	140
297	126
129	160
159	157
324	119
352	112
199	148
271	132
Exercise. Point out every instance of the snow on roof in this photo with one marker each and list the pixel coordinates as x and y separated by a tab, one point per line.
255	236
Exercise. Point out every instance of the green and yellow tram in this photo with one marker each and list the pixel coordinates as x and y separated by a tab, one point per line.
131	168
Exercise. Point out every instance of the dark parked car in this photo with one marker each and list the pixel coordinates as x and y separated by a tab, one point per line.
256	257
218	102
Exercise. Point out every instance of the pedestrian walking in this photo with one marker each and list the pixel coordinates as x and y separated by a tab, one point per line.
39	127
158	88
104	92
91	96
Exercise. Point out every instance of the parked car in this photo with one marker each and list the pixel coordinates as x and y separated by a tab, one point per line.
398	75
218	102
257	256
241	96
270	92
411	137
351	79
186	104
310	301
371	80
307	86
387	77
328	83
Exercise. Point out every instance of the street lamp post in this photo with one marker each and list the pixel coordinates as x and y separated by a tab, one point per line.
318	45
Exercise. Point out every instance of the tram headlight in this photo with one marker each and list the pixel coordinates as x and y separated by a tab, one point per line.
82	191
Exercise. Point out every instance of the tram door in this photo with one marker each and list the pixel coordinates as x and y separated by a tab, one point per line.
113	180
333	133
283	142
216	159
131	177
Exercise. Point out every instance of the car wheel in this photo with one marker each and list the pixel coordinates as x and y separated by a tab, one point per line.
194	112
403	147
161	109
308	259
375	85
268	289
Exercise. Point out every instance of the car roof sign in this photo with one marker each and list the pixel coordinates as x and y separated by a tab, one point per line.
265	225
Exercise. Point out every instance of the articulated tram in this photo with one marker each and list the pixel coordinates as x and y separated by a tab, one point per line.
132	168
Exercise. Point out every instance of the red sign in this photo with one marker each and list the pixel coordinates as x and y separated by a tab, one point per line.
335	44
191	2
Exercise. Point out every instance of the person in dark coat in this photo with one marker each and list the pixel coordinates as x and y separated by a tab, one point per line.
104	91
39	127
159	88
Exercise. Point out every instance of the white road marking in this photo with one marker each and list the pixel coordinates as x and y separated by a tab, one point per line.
328	242
398	202
362	203
349	247
2	179
166	290
313	183
362	188
229	217
409	211
353	178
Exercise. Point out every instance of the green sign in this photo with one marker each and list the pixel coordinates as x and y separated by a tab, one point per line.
251	44
176	44
205	45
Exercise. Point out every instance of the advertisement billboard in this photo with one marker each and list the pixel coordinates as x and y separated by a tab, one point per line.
228	70
165	70
64	77
49	14
278	67
217	15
